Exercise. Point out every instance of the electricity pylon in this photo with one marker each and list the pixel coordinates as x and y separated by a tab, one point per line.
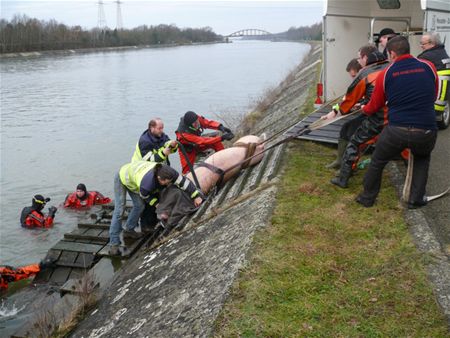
119	24
101	23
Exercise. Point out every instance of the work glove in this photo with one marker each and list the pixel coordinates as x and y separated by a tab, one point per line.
224	129
52	211
47	263
227	136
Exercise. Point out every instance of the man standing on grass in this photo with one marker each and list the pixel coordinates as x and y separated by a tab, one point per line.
409	86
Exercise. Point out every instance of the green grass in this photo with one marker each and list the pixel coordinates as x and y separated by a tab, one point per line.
327	267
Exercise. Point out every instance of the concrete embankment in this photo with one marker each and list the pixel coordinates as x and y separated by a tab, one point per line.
179	288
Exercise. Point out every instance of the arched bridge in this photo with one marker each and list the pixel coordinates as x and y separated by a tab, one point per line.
249	32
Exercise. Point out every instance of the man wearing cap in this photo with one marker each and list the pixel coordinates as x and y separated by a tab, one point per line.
32	217
383	38
82	198
189	133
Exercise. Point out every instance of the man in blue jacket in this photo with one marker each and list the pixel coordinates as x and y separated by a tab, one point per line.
154	146
409	86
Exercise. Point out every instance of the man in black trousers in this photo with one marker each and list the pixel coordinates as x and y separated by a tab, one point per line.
409	86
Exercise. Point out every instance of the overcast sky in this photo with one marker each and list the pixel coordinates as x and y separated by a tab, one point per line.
224	17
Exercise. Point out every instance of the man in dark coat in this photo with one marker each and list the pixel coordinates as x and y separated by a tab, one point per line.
434	51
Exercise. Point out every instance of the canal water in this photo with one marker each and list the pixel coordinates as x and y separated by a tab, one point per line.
72	119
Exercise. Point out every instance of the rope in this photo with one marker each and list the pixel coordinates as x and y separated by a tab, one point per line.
319	123
292	125
191	168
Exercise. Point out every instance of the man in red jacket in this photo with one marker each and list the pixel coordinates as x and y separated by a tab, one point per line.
189	134
10	274
82	198
32	217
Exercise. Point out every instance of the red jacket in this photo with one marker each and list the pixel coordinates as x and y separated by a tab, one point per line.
94	197
9	274
31	218
193	137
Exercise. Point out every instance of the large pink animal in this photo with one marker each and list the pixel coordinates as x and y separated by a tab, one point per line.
243	148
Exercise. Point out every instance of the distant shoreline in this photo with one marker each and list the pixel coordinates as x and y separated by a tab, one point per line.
58	52
94	50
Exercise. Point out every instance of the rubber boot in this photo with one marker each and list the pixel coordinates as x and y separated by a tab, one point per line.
336	164
342	180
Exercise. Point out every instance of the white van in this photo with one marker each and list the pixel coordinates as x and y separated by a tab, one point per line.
349	24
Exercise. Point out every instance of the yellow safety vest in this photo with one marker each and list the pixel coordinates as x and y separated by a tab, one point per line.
137	156
131	174
444	78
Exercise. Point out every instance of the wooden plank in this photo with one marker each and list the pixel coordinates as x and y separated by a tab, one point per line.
78	231
76	246
60	275
43	276
76	274
242	182
93	226
67	257
74	286
93	232
85	260
131	246
277	161
261	167
85	239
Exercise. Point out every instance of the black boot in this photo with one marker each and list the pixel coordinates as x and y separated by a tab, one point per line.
342	180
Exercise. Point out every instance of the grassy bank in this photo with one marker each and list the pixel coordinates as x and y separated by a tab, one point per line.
327	267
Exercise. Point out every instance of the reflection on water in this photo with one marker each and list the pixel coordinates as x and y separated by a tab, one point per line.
72	119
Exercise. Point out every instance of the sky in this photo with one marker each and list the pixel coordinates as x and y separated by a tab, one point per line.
224	17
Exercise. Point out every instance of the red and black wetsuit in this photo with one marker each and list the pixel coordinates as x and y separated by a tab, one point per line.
362	87
8	274
92	197
33	218
193	141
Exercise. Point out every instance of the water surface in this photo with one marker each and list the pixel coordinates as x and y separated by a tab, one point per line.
72	119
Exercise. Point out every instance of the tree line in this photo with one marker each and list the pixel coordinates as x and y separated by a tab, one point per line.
313	32
302	33
24	34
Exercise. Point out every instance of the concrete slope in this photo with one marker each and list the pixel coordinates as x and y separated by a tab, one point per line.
178	288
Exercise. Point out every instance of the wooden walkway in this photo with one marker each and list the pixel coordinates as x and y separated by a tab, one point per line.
82	248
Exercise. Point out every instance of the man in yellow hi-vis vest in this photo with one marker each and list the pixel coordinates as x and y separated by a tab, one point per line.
434	51
154	146
143	181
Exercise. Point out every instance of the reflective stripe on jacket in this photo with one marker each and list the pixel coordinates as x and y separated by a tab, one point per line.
150	148
131	174
444	89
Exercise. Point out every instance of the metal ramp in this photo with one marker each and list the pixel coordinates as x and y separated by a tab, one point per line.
327	134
